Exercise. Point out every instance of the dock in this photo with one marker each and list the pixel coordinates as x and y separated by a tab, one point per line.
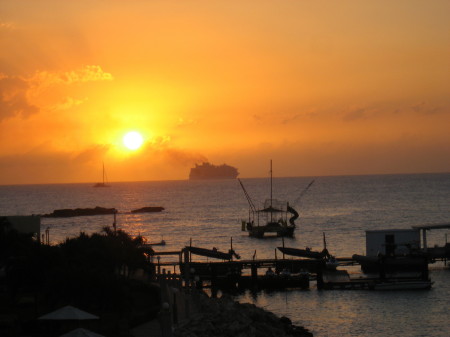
230	274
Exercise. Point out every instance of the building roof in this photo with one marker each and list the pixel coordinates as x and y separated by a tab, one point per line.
391	230
433	226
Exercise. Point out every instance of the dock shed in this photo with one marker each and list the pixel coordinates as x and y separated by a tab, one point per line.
392	241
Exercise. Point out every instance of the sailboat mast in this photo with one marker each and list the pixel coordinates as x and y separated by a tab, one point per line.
270	182
271	215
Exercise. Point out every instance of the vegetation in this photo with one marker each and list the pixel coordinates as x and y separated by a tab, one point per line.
92	272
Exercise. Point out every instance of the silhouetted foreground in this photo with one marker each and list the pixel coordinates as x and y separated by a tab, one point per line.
224	317
92	272
108	275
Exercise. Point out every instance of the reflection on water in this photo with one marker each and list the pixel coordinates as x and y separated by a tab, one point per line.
363	312
210	213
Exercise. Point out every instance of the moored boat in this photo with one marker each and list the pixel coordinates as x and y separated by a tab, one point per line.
104	181
377	264
275	218
304	252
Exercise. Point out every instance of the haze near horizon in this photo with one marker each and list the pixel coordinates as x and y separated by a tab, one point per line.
149	88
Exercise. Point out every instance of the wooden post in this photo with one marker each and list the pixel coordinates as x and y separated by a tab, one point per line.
175	308
165	320
186	268
254	270
231	248
445	259
319	279
213	277
382	264
425	275
424	239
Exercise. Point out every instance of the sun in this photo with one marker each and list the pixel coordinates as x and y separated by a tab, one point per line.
133	140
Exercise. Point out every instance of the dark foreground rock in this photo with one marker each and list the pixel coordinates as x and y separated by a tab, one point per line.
224	317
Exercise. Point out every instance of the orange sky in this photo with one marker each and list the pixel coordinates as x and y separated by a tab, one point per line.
319	87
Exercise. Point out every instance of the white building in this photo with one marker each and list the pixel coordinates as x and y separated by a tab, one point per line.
392	241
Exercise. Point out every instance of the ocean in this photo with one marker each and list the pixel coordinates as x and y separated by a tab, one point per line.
209	214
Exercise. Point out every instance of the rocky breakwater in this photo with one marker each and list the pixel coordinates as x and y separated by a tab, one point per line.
224	317
69	212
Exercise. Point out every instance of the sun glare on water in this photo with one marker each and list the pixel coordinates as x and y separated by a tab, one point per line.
133	140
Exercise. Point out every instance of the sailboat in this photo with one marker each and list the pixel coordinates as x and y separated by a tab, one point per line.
103	183
272	218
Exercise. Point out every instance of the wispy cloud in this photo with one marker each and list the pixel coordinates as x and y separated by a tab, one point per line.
67	103
7	26
91	154
14	98
88	73
163	148
426	109
356	114
17	93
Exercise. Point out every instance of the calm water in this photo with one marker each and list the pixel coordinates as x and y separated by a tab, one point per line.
210	213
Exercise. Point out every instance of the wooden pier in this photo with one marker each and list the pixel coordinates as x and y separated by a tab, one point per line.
285	273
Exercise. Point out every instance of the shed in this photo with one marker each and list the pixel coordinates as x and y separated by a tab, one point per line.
392	241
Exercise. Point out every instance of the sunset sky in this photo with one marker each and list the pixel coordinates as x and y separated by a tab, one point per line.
319	87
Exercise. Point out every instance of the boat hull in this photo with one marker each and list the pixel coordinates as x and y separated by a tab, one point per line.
303	253
262	231
403	285
374	264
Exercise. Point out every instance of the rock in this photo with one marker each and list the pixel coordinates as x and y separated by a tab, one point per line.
285	320
224	317
66	213
149	209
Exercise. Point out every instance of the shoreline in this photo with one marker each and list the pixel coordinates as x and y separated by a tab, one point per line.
224	316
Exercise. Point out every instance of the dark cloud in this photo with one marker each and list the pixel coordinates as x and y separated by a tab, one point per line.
92	153
181	157
36	167
427	109
356	114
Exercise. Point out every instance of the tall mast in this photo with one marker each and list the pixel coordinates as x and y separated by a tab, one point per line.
270	182
271	214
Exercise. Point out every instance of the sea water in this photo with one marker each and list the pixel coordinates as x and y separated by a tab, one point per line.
209	214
